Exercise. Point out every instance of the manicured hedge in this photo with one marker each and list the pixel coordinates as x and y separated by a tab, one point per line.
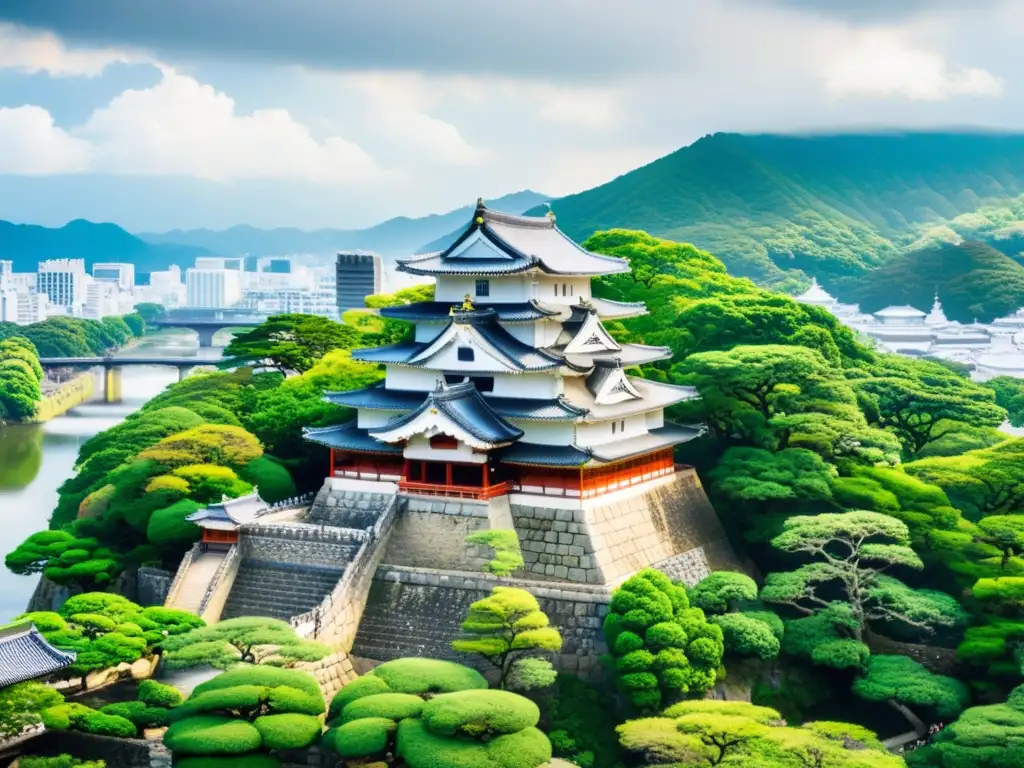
421	676
477	712
362	738
239	761
422	749
394	706
156	694
288	731
212	735
367	685
261	675
78	717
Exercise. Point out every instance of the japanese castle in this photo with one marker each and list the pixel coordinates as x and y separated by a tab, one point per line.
510	384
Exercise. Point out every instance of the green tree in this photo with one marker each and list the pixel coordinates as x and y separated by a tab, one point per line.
851	551
757	475
21	706
251	640
1006	532
663	648
505	628
150	310
902	683
289	342
981	483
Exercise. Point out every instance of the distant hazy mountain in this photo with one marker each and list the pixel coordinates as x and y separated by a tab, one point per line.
395	237
832	206
28	244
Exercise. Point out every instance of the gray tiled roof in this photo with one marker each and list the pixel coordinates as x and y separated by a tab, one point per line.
512	244
390	353
536	454
464	405
507	312
662	437
26	655
348	437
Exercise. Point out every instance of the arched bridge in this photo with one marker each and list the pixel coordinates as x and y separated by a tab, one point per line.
205	327
112	368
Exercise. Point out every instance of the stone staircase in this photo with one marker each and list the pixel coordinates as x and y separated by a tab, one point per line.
278	590
201	571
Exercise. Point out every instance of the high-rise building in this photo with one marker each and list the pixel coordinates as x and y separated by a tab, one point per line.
63	281
213	288
121	273
101	299
21	307
357	275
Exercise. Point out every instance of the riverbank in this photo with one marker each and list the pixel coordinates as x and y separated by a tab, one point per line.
67	395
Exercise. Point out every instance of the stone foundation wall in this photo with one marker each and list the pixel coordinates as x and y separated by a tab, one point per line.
432	533
300	543
336	620
607	543
418	612
118	753
154	584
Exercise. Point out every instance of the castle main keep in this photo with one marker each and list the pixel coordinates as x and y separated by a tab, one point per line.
510	408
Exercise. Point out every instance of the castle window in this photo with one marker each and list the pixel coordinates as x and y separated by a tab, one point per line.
572	289
466	354
614	426
483	383
622	426
563	289
483	287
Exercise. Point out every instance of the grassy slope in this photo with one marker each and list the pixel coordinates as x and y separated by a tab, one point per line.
830	205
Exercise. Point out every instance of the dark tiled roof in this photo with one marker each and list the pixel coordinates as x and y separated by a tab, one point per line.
378	397
613	310
512	244
26	655
348	437
661	437
535	454
440	310
390	353
465	406
520	353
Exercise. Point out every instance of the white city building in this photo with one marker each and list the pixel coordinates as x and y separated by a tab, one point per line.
63	281
121	273
212	288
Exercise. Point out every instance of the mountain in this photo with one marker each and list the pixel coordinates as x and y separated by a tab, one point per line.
400	236
973	281
28	244
832	206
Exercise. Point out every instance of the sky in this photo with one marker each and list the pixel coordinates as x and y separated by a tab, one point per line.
330	113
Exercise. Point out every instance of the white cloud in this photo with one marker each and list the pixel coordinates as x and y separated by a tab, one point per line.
882	63
33	51
34	146
183	127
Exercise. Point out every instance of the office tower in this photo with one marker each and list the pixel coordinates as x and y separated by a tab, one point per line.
357	275
213	288
63	281
121	273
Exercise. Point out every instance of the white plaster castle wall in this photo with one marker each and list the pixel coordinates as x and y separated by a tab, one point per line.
549	289
545	432
655	419
416	379
600	433
546	332
418	447
536	386
514	288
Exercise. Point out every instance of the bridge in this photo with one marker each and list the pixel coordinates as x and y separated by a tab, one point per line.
112	368
204	326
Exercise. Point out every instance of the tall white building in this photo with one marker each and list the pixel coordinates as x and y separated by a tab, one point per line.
63	281
121	273
212	288
102	299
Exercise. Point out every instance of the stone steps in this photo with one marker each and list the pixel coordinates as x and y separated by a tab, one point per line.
278	590
197	578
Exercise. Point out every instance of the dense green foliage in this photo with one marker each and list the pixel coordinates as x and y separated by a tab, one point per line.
63	336
21	705
663	648
20	380
251	640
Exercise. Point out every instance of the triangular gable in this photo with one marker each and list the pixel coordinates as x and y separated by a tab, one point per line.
591	337
616	388
430	422
477	246
442	353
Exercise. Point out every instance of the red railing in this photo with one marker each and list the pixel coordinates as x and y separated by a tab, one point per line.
454	491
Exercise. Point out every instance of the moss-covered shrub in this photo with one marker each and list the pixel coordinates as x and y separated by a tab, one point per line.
362	738
288	731
212	735
367	685
479	712
78	717
138	713
262	675
422	749
60	761
424	676
394	706
156	694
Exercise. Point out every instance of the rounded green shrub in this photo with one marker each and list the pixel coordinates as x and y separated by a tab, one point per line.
256	760
478	712
241	697
212	735
283	699
138	713
422	676
107	725
367	685
273	480
156	694
248	674
362	738
288	731
394	706
422	749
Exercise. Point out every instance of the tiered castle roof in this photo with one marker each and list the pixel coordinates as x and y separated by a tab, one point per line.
575	367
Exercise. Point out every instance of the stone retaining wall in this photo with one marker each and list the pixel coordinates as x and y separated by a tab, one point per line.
336	620
300	543
431	533
118	753
605	543
418	612
154	584
69	394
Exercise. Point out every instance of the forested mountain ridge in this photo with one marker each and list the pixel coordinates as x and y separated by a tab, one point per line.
832	206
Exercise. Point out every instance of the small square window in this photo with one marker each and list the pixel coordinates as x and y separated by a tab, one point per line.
483	287
466	354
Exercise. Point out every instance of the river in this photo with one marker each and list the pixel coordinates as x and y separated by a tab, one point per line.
36	458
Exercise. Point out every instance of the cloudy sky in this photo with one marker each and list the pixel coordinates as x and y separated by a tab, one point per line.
312	113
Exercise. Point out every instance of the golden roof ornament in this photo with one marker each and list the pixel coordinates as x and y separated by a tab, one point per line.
467	303
551	214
